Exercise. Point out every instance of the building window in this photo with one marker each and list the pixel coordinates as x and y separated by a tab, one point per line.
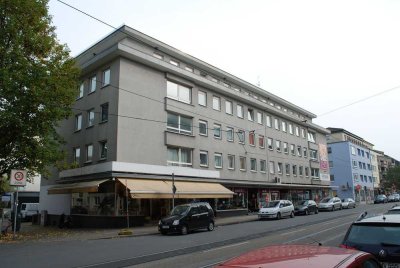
250	114
313	154
279	168
103	150
271	167
278	146
331	164
179	124
353	150
355	164
158	56
329	150
292	149
241	136
78	122
306	171
290	128
311	137
90	116
261	141
89	153
174	62
229	134
239	111
92	87
332	177
190	69
217	131
252	138
268	120
287	169
106	77
305	152
77	155
285	148
269	143
360	165
259	118
178	156
263	166
231	161
300	171
202	98
242	161
314	172
216	103
367	155
303	133
253	164
294	170
178	92
276	123
204	158
283	126
228	107
297	131
299	151
81	90
104	112
203	128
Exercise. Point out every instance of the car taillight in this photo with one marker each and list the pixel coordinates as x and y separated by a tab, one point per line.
345	246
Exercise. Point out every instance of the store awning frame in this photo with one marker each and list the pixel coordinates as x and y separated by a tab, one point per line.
76	187
154	189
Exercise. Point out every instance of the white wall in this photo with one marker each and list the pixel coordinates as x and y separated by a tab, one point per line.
54	203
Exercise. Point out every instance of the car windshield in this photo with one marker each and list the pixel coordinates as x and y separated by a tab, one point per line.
180	210
380	196
271	204
393	211
325	200
371	235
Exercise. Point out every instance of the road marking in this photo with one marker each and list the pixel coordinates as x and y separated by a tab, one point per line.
228	246
293	232
333	238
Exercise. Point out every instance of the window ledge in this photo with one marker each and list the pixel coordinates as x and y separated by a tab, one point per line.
178	133
91	92
77	130
103	122
89	126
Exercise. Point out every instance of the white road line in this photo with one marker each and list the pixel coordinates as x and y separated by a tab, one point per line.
293	232
228	246
332	238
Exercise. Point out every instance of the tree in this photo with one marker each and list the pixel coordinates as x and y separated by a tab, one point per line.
392	179
38	84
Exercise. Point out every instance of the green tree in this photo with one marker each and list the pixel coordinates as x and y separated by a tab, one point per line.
38	84
392	179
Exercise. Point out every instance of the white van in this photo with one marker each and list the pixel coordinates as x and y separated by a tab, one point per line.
28	210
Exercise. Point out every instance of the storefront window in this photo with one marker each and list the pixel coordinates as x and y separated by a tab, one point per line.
239	200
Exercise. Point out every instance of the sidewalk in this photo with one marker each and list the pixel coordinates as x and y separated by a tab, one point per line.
29	232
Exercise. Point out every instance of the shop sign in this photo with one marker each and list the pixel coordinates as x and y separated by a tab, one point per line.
239	190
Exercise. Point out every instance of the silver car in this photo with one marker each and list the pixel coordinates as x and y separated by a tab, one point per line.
330	204
276	209
348	203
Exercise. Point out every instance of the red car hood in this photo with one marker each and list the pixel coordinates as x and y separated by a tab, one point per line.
295	256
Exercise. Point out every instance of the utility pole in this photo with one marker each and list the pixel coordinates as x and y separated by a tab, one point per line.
173	190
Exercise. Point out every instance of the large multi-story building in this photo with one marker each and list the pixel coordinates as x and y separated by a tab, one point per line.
386	162
350	165
149	115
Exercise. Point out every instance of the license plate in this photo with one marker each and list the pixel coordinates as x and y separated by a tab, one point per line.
165	227
390	265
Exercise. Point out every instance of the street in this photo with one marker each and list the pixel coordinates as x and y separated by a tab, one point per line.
199	249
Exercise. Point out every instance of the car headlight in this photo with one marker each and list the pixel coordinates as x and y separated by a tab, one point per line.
176	222
159	222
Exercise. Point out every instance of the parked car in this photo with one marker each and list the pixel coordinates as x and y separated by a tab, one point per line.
28	210
306	207
276	209
378	235
295	256
348	203
392	198
394	210
330	203
380	199
188	217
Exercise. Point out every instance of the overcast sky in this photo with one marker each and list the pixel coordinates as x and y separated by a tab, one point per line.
319	55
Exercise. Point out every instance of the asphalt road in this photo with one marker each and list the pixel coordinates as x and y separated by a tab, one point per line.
199	249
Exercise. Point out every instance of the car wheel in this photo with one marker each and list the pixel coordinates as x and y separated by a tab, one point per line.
278	216
333	208
292	214
306	212
340	208
184	230
163	232
210	226
316	211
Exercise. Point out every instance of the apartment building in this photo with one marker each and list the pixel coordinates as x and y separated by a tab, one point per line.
386	162
150	118
351	167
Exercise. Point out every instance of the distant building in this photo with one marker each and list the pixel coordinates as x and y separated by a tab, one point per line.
386	162
146	111
351	166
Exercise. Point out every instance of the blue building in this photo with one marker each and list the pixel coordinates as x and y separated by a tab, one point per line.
350	165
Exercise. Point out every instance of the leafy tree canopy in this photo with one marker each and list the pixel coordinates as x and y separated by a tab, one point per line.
38	84
392	179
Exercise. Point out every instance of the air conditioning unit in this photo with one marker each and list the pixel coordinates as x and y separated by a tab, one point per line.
277	180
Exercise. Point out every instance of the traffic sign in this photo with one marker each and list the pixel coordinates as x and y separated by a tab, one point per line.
18	177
